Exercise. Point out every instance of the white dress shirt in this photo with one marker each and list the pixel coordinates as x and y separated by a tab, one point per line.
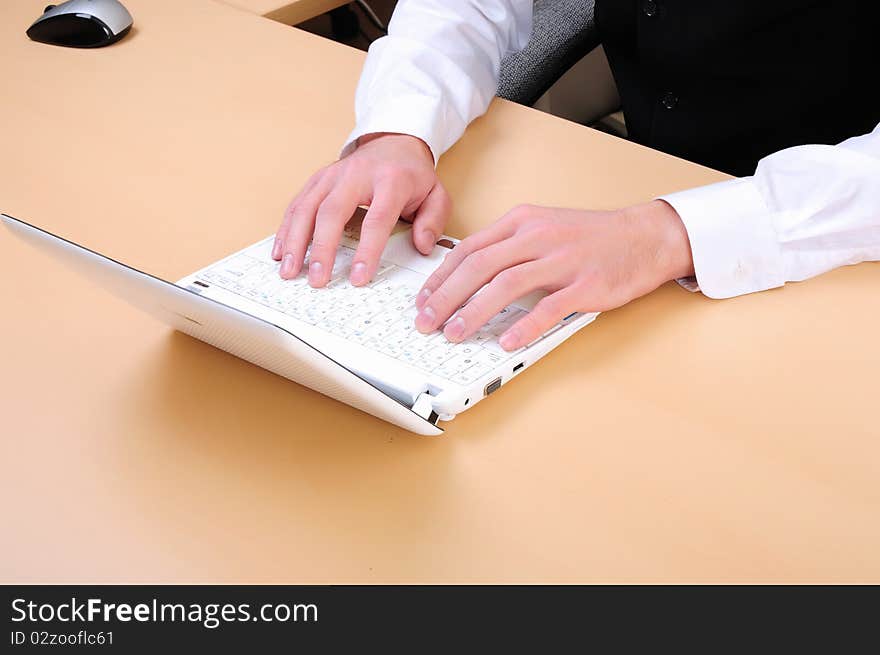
806	210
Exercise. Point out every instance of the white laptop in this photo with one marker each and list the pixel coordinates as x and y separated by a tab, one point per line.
358	345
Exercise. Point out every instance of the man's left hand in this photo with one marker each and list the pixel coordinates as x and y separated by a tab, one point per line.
587	261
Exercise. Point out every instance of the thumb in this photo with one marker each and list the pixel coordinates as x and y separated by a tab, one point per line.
430	218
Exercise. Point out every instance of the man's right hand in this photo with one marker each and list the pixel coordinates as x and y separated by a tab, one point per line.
393	174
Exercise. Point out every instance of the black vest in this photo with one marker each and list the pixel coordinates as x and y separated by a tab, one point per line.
726	83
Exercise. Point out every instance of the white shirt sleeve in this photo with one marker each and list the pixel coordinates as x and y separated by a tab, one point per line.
437	69
806	210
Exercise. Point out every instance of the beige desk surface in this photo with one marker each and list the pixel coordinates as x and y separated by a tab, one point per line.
290	12
677	439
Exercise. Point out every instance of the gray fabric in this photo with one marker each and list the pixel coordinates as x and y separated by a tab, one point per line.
563	32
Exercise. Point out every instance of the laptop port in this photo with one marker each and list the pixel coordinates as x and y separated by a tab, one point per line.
518	366
492	387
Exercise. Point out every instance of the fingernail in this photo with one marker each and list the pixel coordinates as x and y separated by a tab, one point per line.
276	249
509	340
286	265
454	330
425	320
359	273
423	296
428	239
315	269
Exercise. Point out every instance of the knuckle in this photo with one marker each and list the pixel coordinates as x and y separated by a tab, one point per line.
377	218
548	306
299	239
321	244
351	166
433	282
440	298
371	242
392	174
370	229
580	285
461	250
331	208
290	214
311	182
300	212
476	261
520	213
293	240
292	247
450	262
542	231
349	178
396	170
589	277
438	277
511	278
370	245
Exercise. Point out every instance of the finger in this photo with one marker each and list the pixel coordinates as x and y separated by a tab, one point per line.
281	234
474	271
430	219
494	233
547	313
505	288
388	201
302	224
330	220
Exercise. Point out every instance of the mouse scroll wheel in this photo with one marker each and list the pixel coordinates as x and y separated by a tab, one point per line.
48	7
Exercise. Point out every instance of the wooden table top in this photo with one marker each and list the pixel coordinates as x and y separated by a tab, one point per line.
290	12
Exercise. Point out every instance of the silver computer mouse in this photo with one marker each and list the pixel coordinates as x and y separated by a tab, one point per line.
82	24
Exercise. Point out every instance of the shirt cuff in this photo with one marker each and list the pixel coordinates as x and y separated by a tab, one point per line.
733	239
418	117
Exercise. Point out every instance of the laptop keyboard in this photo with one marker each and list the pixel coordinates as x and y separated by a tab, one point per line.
379	316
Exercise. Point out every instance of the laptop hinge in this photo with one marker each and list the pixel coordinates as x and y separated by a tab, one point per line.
424	407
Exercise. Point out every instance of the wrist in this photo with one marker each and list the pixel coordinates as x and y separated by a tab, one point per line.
411	144
673	247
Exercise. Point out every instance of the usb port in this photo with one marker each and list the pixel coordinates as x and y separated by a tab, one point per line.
492	387
518	366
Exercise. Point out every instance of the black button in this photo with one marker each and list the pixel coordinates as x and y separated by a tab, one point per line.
669	100
650	8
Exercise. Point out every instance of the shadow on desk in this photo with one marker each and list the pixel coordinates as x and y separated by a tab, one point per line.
218	440
219	402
